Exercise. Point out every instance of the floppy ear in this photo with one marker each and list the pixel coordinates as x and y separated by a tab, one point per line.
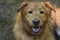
49	5
24	4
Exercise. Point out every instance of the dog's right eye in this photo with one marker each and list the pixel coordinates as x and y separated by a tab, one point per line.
30	12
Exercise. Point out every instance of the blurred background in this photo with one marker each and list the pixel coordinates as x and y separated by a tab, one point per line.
8	10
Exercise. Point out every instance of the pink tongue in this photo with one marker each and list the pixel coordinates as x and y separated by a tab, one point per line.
35	29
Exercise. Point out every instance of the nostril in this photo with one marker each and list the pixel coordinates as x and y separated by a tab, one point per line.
36	22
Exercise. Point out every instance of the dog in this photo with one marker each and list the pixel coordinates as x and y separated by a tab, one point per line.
55	21
58	21
33	22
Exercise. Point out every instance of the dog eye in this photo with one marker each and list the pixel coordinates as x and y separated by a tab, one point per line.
41	12
30	12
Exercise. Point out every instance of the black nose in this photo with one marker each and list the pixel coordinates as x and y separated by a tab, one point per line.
36	21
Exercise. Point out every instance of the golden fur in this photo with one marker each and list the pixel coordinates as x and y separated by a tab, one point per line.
22	30
56	20
57	17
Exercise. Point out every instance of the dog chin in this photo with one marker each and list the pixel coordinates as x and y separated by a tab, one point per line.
35	30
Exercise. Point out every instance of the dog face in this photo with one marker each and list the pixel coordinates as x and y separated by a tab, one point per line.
34	16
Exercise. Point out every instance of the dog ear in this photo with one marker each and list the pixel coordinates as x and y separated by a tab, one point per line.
24	4
49	5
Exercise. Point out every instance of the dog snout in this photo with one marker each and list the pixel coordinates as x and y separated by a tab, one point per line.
36	21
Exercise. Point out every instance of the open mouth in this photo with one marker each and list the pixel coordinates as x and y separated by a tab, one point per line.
35	29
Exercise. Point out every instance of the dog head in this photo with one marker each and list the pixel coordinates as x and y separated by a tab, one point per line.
35	15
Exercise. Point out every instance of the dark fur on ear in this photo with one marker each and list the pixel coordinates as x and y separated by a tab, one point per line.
24	4
48	5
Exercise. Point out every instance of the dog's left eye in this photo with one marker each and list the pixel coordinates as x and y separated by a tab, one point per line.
30	12
41	12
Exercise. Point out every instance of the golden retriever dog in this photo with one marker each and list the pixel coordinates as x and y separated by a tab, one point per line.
56	20
33	22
